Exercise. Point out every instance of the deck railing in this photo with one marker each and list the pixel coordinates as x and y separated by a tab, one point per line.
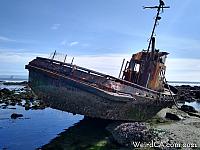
45	62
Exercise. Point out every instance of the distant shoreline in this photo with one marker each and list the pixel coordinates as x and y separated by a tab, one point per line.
185	82
13	78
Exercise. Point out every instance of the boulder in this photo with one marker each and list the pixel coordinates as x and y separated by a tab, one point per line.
187	108
27	106
197	94
127	133
15	116
172	116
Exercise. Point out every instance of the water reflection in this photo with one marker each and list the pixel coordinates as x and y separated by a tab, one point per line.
86	134
35	129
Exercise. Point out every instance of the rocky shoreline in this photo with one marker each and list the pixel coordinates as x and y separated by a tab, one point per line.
159	132
171	128
188	93
23	97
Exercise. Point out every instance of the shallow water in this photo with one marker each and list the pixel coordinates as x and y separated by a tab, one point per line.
34	129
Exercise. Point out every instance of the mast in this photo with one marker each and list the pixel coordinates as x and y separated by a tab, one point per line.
159	8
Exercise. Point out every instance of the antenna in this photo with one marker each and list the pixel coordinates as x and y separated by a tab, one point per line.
72	61
121	68
54	54
65	58
159	8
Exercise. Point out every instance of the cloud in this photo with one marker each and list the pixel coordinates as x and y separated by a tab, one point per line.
183	69
6	39
55	26
108	63
64	42
18	57
178	69
73	43
12	63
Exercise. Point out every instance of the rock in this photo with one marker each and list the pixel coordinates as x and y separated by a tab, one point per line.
20	104
15	116
27	106
11	108
126	133
12	103
38	104
172	116
13	97
35	107
6	102
186	86
5	92
187	108
4	107
23	83
188	93
197	94
194	114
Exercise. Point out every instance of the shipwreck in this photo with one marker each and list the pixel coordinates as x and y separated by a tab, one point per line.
138	94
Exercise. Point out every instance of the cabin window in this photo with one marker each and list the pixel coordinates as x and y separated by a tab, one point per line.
137	67
163	59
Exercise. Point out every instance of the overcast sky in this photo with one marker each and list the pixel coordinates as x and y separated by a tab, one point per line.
99	33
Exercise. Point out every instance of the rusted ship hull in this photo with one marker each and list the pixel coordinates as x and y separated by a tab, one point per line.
104	97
